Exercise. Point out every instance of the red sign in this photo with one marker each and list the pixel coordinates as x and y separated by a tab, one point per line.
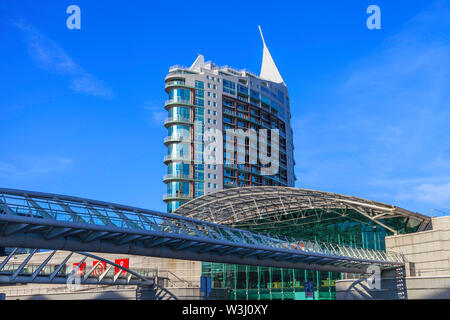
121	262
81	269
99	269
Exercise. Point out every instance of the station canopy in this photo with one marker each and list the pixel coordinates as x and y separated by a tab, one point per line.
266	208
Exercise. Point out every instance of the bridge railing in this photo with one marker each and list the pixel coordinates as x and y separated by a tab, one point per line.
70	268
29	269
84	211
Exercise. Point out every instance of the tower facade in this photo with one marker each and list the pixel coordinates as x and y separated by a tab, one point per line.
226	128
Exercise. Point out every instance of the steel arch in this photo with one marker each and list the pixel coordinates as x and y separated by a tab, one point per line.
25	272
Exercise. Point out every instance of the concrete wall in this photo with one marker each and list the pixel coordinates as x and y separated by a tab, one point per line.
427	270
111	294
428	250
92	293
358	289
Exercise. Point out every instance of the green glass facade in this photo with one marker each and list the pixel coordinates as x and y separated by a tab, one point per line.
333	226
263	283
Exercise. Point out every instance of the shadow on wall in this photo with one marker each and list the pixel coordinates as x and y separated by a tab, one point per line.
413	288
34	297
358	288
112	295
106	295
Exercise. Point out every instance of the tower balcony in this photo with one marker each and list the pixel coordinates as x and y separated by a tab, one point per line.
177	102
176	197
177	177
176	139
177	119
177	158
176	84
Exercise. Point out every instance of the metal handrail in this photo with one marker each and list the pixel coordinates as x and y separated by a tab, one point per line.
178	176
107	214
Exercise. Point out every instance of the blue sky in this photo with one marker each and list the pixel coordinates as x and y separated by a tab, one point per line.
81	111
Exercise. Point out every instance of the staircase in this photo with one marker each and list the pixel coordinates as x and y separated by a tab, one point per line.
400	277
154	292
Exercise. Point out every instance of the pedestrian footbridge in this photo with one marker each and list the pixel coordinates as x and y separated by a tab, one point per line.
56	222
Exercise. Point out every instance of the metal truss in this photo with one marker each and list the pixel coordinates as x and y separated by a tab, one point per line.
108	273
40	220
248	205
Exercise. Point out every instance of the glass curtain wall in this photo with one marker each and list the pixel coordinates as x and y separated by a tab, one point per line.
252	282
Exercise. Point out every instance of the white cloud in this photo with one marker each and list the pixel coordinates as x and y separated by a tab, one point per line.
50	56
439	194
31	166
434	194
157	114
387	131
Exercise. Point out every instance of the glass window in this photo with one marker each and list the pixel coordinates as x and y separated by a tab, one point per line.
179	150
178	188
199	114
199	173
199	84
178	169
199	189
180	113
175	82
265	99
179	130
180	95
254	94
229	87
242	89
173	205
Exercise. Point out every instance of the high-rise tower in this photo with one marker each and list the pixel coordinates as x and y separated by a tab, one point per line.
207	101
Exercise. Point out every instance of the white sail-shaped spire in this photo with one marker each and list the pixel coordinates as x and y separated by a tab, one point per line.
199	62
269	70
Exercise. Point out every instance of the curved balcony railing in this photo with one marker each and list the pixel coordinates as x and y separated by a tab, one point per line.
170	157
177	176
177	119
175	139
176	84
177	66
175	196
177	102
229	184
